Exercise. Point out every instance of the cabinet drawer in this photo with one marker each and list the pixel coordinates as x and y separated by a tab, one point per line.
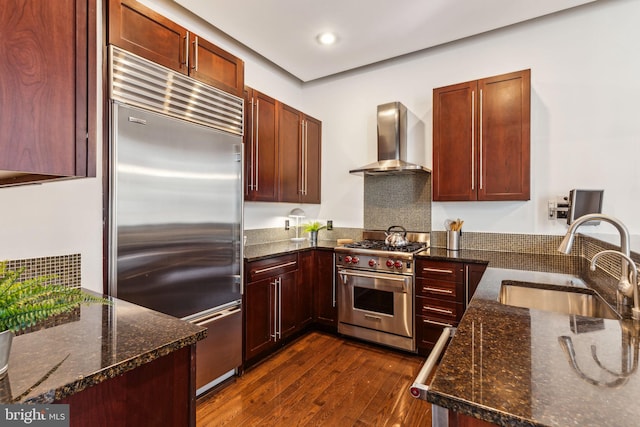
438	289
428	331
257	270
440	270
438	309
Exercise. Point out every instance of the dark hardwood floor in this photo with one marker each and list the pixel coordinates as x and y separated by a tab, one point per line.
321	380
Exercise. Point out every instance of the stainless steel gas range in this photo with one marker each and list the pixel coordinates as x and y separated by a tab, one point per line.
376	288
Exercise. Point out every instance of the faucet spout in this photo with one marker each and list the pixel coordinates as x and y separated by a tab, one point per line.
625	245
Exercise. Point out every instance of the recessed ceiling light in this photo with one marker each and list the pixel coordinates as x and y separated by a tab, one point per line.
326	38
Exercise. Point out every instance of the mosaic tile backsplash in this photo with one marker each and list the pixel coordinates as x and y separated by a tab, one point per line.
65	268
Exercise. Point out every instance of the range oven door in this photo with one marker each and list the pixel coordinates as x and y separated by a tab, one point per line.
377	301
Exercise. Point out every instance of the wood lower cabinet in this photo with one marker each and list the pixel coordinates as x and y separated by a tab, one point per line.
47	82
443	292
271	304
140	30
261	147
300	156
305	290
325	297
481	139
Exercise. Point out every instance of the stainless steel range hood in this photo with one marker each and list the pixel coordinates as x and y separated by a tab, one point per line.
392	143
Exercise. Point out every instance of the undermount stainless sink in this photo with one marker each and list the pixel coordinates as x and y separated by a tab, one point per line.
559	299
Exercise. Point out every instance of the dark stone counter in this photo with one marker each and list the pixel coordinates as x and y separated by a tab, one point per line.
506	364
99	343
267	250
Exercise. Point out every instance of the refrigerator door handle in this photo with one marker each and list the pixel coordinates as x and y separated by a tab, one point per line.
219	315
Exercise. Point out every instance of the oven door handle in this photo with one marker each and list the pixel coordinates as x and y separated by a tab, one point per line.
419	387
405	280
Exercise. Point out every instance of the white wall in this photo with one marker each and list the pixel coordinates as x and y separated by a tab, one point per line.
584	132
585	121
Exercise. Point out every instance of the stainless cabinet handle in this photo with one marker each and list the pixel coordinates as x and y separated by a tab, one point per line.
195	53
433	322
437	270
437	310
301	160
251	169
279	332
306	159
419	387
438	290
186	50
275	309
257	164
466	286
274	267
473	140
480	159
333	289
370	317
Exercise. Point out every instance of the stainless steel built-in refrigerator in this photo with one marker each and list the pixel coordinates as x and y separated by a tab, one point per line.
176	204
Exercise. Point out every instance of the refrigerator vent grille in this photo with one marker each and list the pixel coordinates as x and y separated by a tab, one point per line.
136	81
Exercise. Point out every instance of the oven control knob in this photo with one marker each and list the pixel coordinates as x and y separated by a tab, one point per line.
398	264
390	263
355	260
372	263
347	259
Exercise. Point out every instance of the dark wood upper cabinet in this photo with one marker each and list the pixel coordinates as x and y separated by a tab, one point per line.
140	30
48	87
215	66
282	152
261	147
299	169
481	139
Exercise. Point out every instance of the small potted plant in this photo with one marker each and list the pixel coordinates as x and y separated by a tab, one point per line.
26	303
312	228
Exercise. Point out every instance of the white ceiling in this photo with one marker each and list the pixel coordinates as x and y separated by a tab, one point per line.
369	31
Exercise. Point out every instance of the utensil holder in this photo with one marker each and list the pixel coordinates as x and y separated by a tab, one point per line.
453	240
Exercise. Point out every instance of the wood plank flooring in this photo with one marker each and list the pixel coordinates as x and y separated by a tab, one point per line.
321	380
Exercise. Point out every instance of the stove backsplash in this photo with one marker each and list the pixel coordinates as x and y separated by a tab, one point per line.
397	200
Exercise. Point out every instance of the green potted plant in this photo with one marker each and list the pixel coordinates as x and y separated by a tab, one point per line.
26	303
312	228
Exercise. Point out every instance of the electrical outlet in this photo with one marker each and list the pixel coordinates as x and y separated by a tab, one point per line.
329	225
286	224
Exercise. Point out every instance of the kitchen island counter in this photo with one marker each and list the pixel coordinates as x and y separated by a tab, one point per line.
510	365
93	346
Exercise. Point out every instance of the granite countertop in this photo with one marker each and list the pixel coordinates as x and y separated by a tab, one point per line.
98	343
506	364
266	250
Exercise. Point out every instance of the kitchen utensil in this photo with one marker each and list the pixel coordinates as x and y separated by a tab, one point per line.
396	238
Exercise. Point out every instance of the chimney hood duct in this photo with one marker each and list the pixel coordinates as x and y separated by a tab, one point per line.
392	144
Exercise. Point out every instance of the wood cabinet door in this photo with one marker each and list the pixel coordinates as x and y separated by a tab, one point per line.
214	66
473	275
287	301
325	306
290	159
504	137
259	312
47	51
304	293
312	161
455	144
142	31
262	149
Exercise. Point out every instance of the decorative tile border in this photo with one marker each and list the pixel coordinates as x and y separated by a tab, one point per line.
65	268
